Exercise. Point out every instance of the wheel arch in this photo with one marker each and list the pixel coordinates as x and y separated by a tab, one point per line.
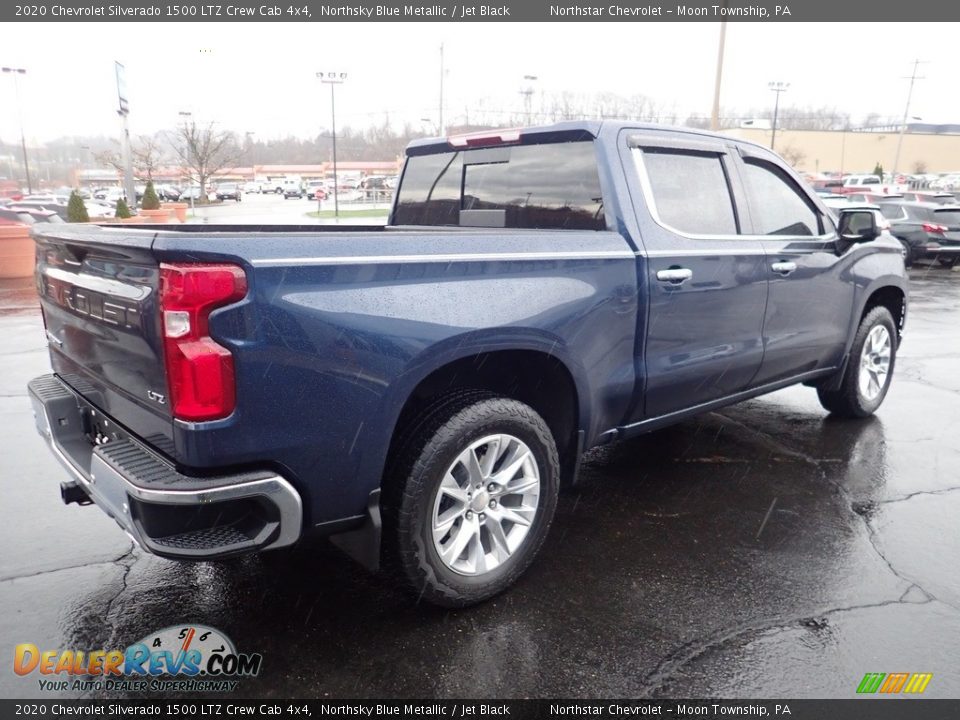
535	373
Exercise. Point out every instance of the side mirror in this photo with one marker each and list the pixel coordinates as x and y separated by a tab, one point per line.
858	226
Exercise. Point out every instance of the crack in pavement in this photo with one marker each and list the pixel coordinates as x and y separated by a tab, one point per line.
108	561
860	510
694	649
127	560
942	491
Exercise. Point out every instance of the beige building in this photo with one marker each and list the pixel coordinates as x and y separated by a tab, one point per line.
815	151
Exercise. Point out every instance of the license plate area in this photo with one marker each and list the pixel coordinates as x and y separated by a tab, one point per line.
97	428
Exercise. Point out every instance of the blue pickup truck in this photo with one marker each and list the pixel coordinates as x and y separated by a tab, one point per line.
421	391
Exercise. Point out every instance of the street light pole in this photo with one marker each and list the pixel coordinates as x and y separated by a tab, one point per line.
23	140
777	87
186	115
333	79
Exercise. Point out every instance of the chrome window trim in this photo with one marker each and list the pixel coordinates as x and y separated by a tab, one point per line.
647	189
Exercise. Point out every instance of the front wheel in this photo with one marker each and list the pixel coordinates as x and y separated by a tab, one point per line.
869	370
473	499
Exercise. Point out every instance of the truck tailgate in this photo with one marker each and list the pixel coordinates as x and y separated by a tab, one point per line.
98	291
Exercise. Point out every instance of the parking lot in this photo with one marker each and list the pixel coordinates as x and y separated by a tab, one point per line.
268	208
761	550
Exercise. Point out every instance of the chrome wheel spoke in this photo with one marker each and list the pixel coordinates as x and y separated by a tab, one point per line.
469	460
498	539
451	488
521	485
511	467
459	542
491	456
516	515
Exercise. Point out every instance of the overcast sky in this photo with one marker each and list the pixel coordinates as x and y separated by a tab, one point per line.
261	77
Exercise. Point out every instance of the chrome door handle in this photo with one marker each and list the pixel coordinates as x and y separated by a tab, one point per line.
784	267
674	275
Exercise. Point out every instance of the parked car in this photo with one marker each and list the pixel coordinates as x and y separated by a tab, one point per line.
870	184
940	198
422	390
946	182
317	189
869	197
12	217
251	186
111	195
39	215
99	209
292	187
48	198
926	230
229	191
169	193
60	209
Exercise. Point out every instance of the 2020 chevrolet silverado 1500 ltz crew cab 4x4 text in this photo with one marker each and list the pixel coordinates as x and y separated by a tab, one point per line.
421	391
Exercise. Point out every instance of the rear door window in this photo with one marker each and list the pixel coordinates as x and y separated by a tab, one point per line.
546	186
690	190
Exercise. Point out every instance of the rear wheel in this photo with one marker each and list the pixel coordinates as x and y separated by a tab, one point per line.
475	494
869	370
948	262
907	253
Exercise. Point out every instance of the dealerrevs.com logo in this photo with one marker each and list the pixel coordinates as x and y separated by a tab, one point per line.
178	658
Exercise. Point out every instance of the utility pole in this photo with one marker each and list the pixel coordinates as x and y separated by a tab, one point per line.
906	112
441	91
23	140
527	93
715	111
777	87
124	110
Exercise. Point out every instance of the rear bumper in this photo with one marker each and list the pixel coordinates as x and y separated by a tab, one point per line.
166	512
932	250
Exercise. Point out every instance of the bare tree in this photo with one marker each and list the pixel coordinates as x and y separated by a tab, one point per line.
205	151
146	156
793	156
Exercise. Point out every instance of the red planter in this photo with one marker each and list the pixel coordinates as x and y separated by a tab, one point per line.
16	251
163	215
179	210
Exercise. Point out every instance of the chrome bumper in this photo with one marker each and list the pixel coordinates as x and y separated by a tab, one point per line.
165	512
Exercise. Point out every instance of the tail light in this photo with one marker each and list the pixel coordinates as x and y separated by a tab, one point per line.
934	228
199	371
485	139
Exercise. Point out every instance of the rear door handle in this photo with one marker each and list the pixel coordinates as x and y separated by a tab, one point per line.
784	267
674	275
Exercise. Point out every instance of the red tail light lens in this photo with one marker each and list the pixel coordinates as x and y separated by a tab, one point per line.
199	371
934	228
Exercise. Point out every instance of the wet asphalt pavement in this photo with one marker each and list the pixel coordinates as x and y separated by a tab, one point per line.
765	550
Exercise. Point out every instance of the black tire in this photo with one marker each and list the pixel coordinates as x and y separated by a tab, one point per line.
848	400
431	445
907	253
948	262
